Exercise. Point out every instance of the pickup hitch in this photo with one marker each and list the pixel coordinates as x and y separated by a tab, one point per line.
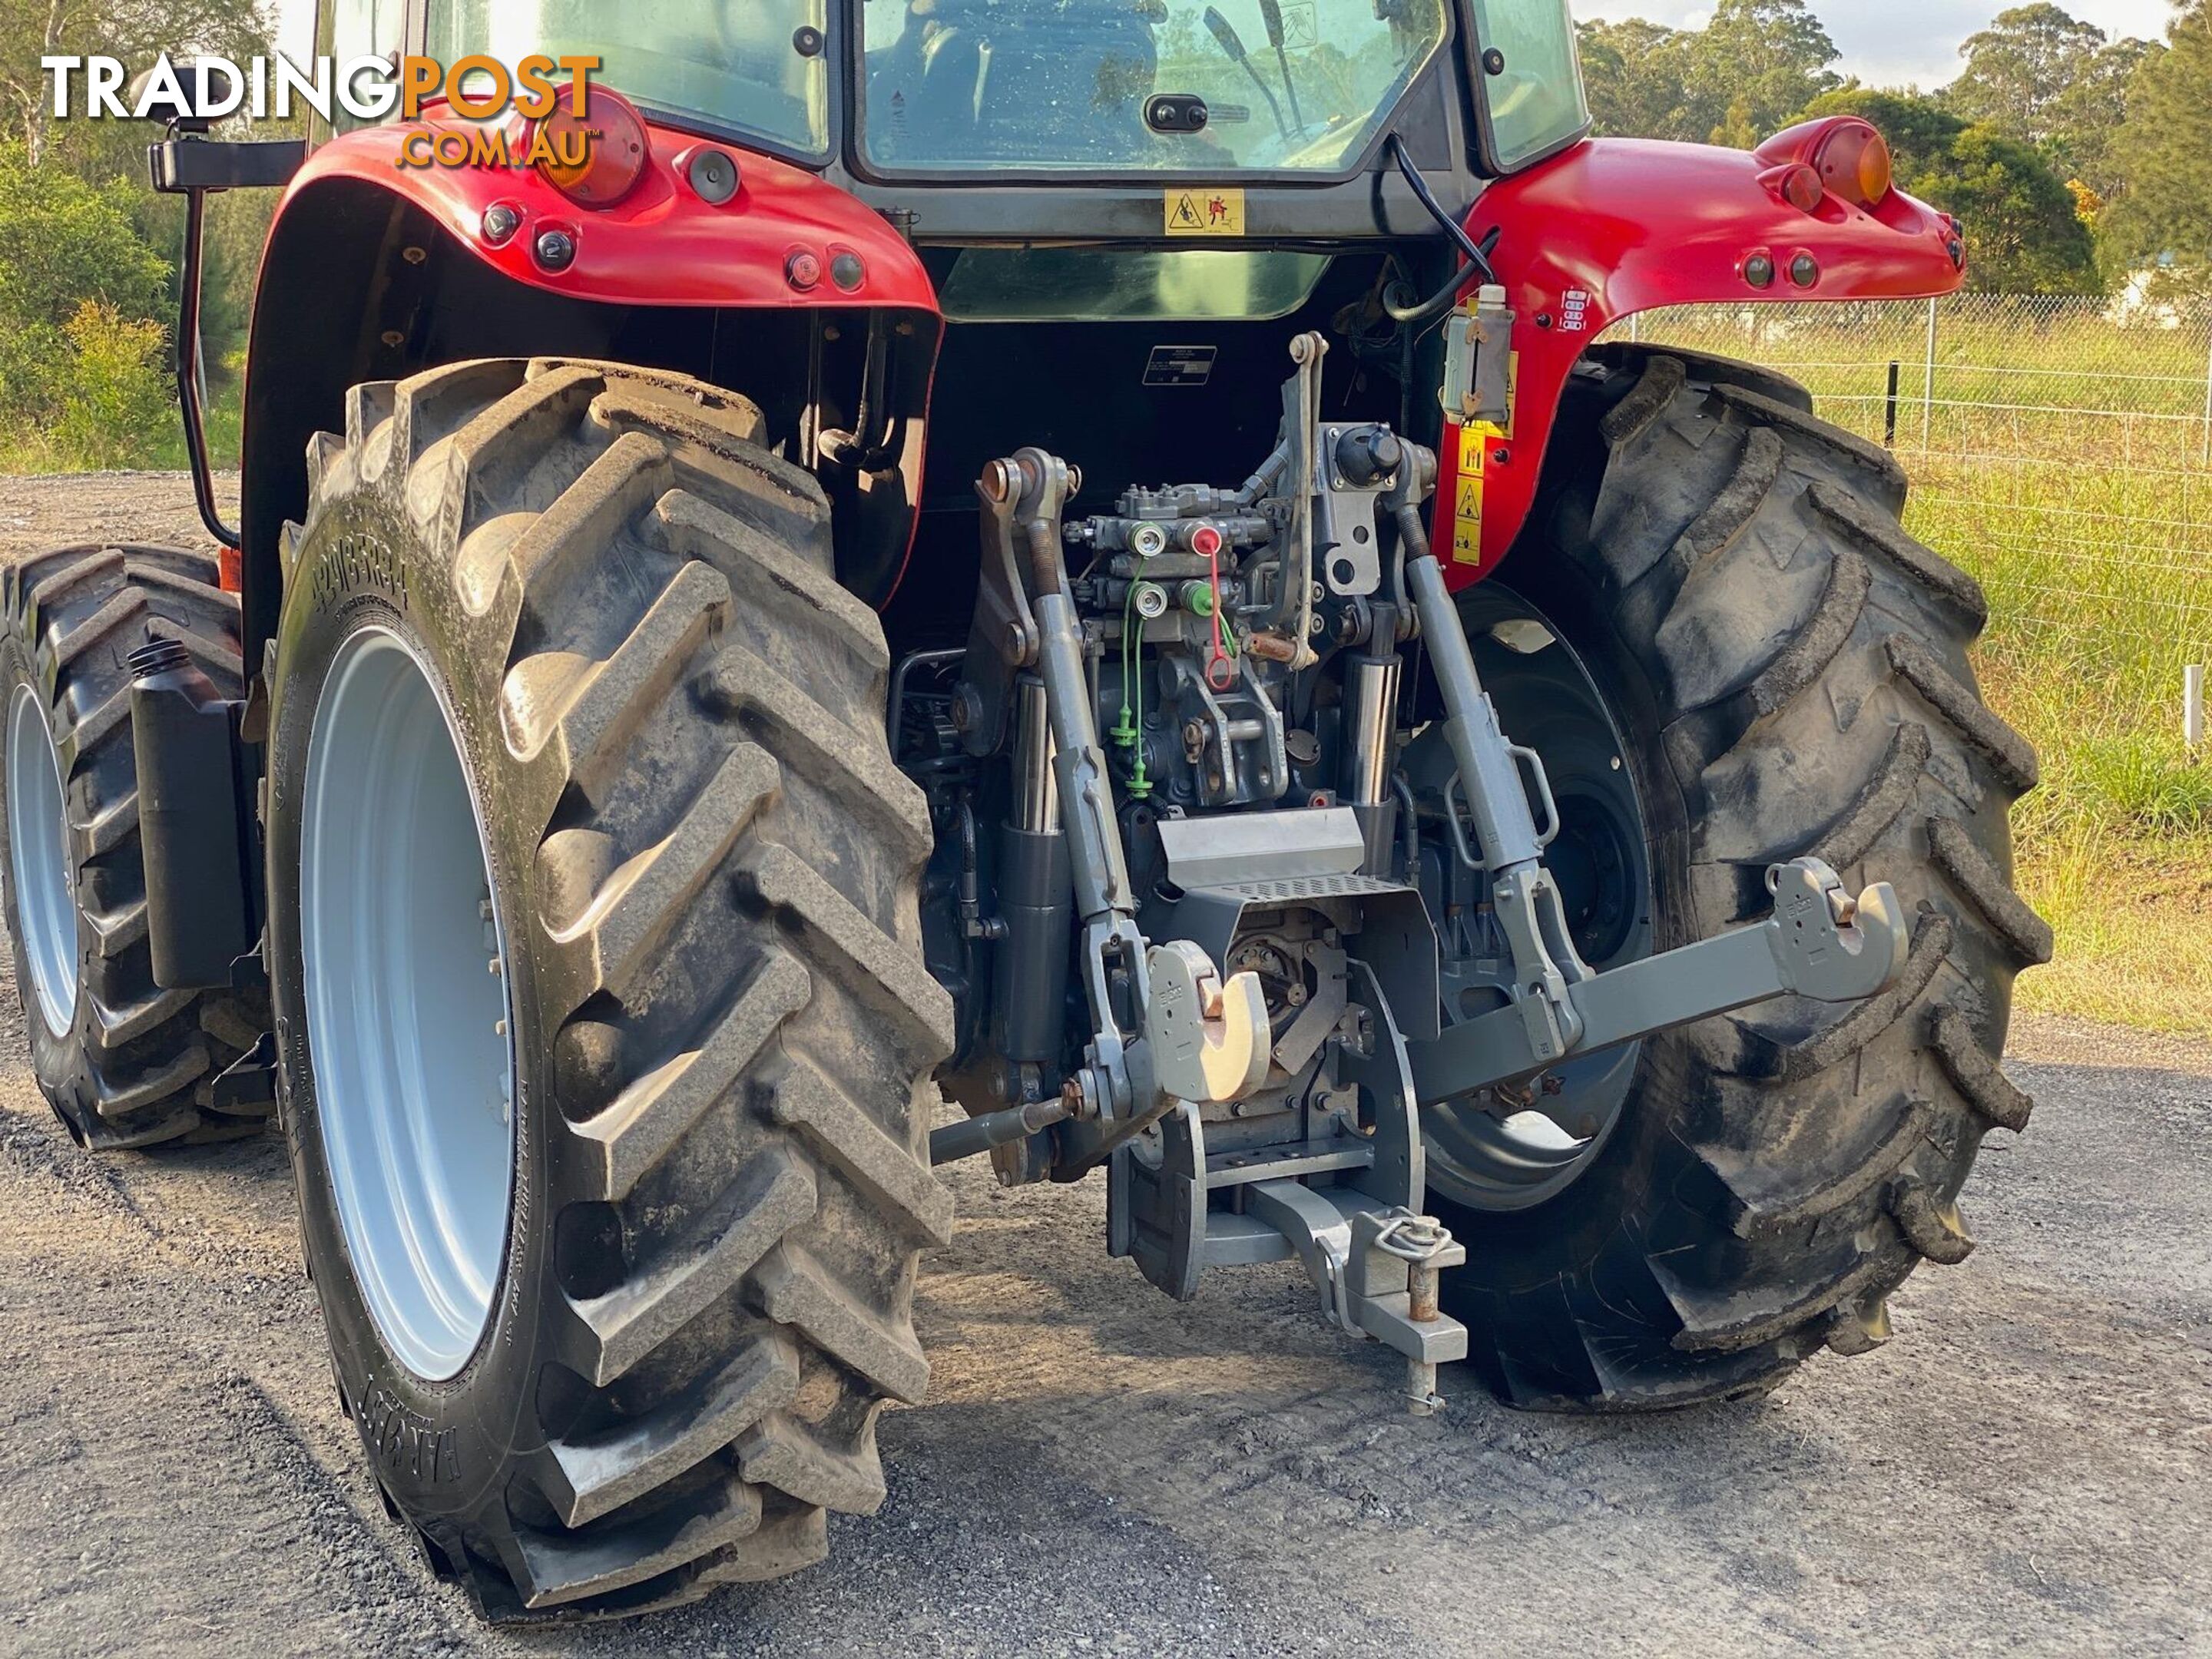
1821	941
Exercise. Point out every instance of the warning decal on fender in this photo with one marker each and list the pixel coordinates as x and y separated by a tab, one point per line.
1179	365
1467	503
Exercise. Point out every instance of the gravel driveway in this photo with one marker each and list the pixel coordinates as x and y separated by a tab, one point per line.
2027	1467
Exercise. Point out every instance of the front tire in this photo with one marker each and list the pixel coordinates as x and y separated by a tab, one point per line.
700	882
1789	671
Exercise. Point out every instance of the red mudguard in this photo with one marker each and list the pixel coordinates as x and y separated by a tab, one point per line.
660	245
1613	227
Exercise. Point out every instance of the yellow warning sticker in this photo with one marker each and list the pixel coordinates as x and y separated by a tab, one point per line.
1467	496
1204	212
1490	429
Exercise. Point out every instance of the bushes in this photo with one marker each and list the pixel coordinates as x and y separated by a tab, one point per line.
82	375
90	394
63	242
116	402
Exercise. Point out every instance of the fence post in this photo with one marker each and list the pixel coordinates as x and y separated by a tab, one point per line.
1928	386
2193	708
1889	409
2207	386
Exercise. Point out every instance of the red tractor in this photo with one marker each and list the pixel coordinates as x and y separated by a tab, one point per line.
723	653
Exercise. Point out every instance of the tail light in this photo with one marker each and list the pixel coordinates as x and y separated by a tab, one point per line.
1796	183
611	162
1840	155
1854	163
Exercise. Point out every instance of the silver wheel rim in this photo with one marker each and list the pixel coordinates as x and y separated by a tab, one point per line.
37	847
403	959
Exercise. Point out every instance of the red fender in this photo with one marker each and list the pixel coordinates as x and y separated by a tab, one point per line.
660	245
1615	227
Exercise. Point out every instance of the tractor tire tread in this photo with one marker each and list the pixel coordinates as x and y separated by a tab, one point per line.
727	880
1806	659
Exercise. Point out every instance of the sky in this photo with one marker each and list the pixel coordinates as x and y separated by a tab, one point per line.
1885	42
1902	42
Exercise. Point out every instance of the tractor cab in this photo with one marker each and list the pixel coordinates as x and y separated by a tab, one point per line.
979	90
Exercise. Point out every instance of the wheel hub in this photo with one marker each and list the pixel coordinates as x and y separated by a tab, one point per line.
1509	1149
408	1023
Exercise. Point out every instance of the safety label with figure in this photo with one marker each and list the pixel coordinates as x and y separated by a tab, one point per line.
1199	210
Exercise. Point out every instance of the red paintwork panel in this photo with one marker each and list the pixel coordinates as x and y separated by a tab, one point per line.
660	245
1629	225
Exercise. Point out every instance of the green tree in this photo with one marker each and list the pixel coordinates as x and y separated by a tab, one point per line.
1757	64
1735	82
2166	209
79	289
63	242
2086	118
2040	74
1636	72
110	154
2023	235
2020	68
134	30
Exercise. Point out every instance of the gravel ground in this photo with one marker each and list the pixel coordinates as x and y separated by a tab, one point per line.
2024	1470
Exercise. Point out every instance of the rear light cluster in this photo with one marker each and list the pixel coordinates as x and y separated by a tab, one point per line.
612	150
613	164
1854	164
1840	156
1761	270
803	270
611	137
1839	159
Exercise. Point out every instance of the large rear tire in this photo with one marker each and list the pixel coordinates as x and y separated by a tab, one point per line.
123	1062
1788	672
701	870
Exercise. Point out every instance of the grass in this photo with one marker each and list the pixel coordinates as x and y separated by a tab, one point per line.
2066	461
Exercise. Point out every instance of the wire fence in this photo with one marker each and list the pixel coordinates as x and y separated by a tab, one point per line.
2060	447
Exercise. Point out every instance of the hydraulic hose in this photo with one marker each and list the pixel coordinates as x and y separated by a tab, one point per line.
1469	249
